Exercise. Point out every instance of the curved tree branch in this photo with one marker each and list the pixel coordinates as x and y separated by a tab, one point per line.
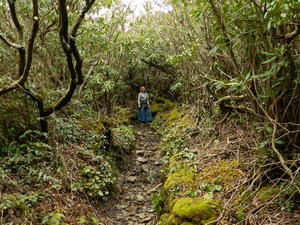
88	6
70	50
12	8
22	53
8	43
25	57
289	37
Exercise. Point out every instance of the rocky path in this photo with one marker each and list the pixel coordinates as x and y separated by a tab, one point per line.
132	206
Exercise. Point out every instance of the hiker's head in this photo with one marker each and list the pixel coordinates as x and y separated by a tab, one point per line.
143	89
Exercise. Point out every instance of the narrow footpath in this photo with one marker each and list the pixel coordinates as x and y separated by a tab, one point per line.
132	205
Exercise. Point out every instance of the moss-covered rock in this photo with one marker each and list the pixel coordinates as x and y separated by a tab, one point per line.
196	210
176	126
164	219
192	211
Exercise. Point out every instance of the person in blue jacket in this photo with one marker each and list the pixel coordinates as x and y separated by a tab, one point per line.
144	114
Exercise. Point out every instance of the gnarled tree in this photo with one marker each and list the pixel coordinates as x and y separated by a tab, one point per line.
26	53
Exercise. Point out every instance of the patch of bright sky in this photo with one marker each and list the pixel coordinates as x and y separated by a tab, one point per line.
138	6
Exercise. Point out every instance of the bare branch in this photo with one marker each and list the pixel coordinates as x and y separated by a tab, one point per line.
8	43
12	8
87	7
70	50
34	30
290	36
24	67
64	39
280	157
73	46
232	98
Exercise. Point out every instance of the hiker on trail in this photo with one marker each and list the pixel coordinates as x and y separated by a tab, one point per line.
145	114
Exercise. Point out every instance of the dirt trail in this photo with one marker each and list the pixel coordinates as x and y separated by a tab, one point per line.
132	206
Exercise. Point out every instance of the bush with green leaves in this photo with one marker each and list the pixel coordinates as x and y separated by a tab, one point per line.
97	178
123	138
54	218
32	162
18	205
158	201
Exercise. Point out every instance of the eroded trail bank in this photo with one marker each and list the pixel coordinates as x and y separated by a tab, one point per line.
132	205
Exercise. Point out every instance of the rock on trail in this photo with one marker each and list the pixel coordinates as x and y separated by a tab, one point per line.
132	205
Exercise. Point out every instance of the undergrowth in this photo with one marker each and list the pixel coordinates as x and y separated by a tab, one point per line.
41	182
218	161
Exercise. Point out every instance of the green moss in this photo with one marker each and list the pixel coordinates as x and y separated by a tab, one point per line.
161	104
169	117
99	127
164	219
188	121
225	173
175	163
197	210
169	219
174	220
240	214
187	223
86	124
242	205
246	197
172	115
266	192
180	176
156	108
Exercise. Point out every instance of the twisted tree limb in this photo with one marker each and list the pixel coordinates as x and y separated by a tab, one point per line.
70	49
13	13
25	55
19	27
8	43
289	37
225	108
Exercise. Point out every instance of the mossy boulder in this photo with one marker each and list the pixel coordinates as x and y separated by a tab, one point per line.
192	211
196	210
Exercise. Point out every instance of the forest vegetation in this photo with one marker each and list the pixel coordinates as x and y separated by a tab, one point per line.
224	84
